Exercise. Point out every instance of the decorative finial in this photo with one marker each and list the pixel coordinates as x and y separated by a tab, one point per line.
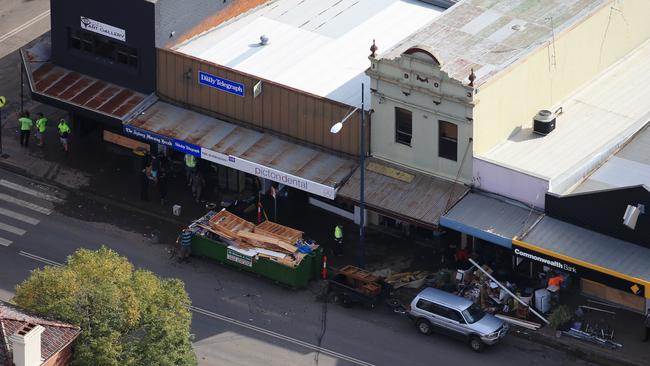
472	77
373	49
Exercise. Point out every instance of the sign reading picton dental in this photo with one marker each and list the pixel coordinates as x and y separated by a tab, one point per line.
103	29
269	173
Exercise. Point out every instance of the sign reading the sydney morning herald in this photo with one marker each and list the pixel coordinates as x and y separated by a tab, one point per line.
178	145
221	84
103	29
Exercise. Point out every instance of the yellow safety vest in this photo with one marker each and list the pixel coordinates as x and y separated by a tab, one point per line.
190	160
338	232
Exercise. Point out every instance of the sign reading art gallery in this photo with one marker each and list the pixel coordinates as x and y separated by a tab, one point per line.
103	29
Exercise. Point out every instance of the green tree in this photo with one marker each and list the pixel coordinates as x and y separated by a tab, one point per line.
127	316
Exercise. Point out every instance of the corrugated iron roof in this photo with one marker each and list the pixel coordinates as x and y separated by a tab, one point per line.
423	200
317	46
77	89
258	147
55	336
496	217
591	247
489	36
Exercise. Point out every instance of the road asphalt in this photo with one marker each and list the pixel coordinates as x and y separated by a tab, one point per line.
239	319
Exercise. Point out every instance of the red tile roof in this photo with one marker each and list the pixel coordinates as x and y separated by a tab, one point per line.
55	336
83	91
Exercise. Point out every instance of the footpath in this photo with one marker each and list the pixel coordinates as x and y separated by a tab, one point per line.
110	175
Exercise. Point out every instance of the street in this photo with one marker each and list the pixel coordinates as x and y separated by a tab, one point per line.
239	319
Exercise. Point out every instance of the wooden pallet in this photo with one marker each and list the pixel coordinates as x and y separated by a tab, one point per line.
227	225
278	231
358	274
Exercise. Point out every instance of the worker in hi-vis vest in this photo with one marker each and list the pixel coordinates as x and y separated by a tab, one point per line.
64	133
26	125
338	240
190	167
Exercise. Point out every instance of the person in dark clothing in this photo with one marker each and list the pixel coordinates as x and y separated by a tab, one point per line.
144	182
162	180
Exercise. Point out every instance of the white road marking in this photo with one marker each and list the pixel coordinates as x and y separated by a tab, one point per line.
40	259
5	242
226	319
25	25
18	216
19	188
12	229
29	205
285	338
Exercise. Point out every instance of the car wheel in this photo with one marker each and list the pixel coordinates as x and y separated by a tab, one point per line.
476	343
424	326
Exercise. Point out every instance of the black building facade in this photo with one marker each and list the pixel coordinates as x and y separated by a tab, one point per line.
602	211
116	40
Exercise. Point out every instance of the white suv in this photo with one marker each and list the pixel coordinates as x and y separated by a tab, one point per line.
434	309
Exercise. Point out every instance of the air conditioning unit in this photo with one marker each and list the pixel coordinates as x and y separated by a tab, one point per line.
544	122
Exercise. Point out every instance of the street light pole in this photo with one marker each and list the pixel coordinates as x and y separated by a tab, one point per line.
362	173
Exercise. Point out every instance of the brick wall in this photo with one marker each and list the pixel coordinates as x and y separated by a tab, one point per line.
62	358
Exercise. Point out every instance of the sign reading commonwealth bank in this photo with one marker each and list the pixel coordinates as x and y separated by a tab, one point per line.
220	83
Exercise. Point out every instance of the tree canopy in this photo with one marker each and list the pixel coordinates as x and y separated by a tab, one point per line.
127	316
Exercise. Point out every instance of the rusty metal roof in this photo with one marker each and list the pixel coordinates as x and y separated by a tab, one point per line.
52	81
489	36
423	200
230	139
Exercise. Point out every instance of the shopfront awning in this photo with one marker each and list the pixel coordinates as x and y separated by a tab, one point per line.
240	148
403	193
574	249
490	218
66	88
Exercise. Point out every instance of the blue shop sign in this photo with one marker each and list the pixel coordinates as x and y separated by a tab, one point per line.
148	136
220	83
187	148
178	145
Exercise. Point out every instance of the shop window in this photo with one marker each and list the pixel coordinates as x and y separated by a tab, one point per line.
102	47
403	126
447	140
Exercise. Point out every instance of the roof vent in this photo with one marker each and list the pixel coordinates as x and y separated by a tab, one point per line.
264	40
544	122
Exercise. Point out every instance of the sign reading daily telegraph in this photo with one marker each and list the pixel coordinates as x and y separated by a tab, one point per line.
103	29
220	83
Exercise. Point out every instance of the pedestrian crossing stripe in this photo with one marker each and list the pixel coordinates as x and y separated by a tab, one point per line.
19	188
5	242
12	229
29	205
18	216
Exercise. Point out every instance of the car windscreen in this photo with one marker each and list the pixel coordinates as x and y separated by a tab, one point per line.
473	313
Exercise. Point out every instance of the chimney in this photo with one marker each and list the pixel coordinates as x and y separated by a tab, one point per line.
26	344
